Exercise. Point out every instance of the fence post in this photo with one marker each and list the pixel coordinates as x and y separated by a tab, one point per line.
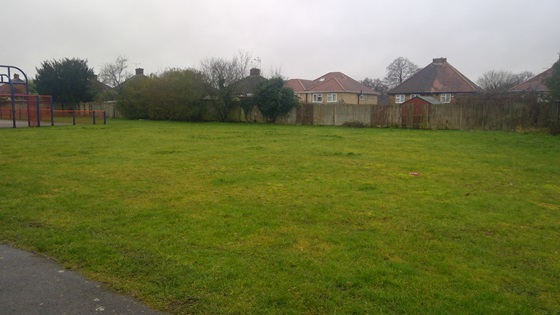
93	116
73	117
52	111
38	112
104	117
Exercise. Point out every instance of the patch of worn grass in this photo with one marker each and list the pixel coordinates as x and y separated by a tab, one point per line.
241	218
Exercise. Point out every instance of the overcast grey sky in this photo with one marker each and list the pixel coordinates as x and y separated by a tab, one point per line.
305	38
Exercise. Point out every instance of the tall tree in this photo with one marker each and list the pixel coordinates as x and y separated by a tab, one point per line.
553	83
377	85
219	74
115	73
399	70
500	80
274	100
176	94
67	80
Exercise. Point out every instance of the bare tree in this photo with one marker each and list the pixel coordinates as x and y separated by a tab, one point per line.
524	76
500	80
219	75
377	85
275	73
220	72
115	73
399	70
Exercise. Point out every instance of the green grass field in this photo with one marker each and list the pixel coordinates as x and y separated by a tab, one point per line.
270	219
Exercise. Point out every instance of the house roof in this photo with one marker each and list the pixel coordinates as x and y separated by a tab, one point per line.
19	86
299	85
330	82
427	99
437	77
534	84
249	84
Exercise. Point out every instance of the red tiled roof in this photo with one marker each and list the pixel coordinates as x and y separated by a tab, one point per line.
330	82
299	85
534	84
437	77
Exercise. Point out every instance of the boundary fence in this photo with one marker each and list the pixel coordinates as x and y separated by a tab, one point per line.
37	111
502	112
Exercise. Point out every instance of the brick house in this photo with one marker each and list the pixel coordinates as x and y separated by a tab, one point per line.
19	86
247	87
534	84
439	80
333	87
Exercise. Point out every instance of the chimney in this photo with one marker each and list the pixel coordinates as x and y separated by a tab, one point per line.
254	72
440	61
16	77
139	71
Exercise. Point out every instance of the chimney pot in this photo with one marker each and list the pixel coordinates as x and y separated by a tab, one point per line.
255	72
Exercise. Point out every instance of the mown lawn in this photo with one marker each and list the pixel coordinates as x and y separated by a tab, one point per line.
269	219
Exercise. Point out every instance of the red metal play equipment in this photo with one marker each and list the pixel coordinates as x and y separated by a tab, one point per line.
16	104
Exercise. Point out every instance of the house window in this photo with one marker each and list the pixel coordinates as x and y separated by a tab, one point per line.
445	98
399	98
331	98
317	98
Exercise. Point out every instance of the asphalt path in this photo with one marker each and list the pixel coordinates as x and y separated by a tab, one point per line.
5	123
32	284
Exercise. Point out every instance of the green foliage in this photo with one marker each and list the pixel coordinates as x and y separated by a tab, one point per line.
273	219
553	82
274	100
174	95
247	104
69	81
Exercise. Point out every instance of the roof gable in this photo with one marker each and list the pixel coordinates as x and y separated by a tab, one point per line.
437	77
427	99
534	84
299	85
248	84
17	82
330	82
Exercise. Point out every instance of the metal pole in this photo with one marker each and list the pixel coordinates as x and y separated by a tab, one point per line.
104	117
93	116
74	117
13	102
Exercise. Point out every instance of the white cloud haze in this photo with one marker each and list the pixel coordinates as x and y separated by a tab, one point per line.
304	38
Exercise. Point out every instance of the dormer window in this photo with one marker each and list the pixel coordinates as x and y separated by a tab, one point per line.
400	98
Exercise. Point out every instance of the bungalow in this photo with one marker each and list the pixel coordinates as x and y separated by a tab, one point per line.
247	86
18	84
534	84
333	87
439	80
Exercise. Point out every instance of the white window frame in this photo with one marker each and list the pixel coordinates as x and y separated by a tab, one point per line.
445	98
400	98
331	98
318	98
